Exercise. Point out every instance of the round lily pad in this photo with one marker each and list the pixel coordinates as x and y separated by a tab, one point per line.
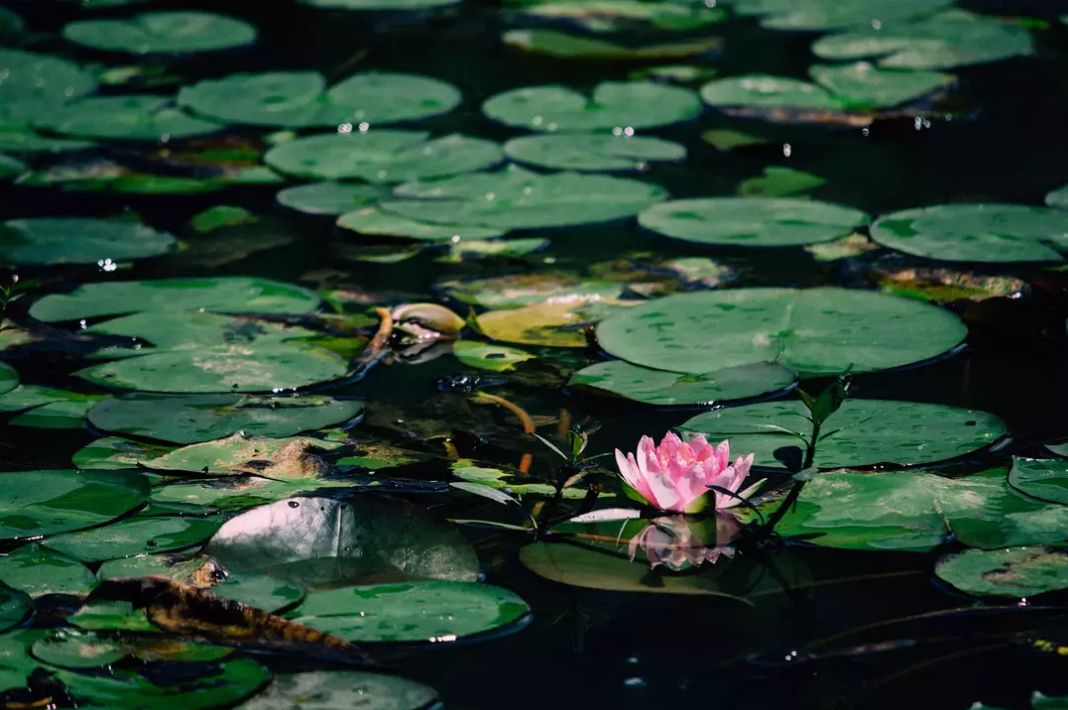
415	611
329	690
302	100
944	40
593	152
514	198
751	221
821	15
37	571
1013	572
617	378
812	331
1044	479
79	240
375	222
135	117
566	45
190	419
238	368
976	232
132	536
861	85
766	91
863	432
612	104
329	198
382	156
47	407
71	648
162	33
226	294
487	356
36	503
35	84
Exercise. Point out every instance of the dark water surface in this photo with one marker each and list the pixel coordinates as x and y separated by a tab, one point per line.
594	649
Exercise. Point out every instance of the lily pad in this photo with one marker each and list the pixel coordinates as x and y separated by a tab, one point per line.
514	198
812	331
612	104
751	221
862	432
239	493
1013	572
226	294
381	5
945	40
79	240
322	541
778	181
162	33
328	690
302	99
1058	198
486	356
617	378
16	663
815	15
564	45
604	16
15	606
382	156
433	612
136	117
373	221
113	453
47	407
35	84
1044	479
37	571
36	503
9	378
593	152
763	91
10	167
561	321
189	419
286	458
132	536
330	198
984	232
10	22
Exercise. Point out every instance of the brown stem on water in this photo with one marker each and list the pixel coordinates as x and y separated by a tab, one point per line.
376	348
519	412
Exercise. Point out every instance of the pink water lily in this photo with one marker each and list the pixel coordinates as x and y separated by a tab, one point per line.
676	475
670	541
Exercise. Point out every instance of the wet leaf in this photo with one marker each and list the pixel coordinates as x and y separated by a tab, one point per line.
560	322
15	606
46	407
780	182
593	152
132	536
1013	572
603	16
288	458
512	483
617	378
1044	479
79	240
36	84
375	222
37	571
330	198
137	117
563	45
819	15
162	33
221	216
327	690
485	356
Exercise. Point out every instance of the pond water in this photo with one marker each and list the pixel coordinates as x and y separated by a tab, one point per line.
930	573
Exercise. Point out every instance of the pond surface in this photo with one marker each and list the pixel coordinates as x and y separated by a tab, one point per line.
262	433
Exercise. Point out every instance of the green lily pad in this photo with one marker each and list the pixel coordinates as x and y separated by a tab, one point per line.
226	294
132	536
511	482
36	503
302	100
239	493
162	33
9	378
35	84
10	167
1014	572
617	378
10	22
70	648
487	356
382	156
612	104
113	453
15	606
136	117
217	686
221	217
763	91
328	690
272	367
462	250
107	615
780	182
812	331
79	240
16	663
527	289
322	541
728	139
751	221
37	571
1044	479
604	16
19	138
948	39
411	612
381	5
862	432
1058	198
374	222
593	152
817	15
189	419
513	198
559	322
330	198
47	407
564	45
283	458
987	232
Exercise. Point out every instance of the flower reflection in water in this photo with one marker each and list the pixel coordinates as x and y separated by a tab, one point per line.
680	543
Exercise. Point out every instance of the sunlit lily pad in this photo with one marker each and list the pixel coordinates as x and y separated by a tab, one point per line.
373	221
612	104
561	321
416	611
862	433
486	356
47	407
617	378
36	503
330	198
981	232
564	45
514	198
821	15
593	152
382	156
37	571
79	240
132	536
948	39
1013	572
137	117
286	458
814	331
758	222
36	84
1044	479
302	99
526	289
227	294
189	419
603	16
329	690
162	33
